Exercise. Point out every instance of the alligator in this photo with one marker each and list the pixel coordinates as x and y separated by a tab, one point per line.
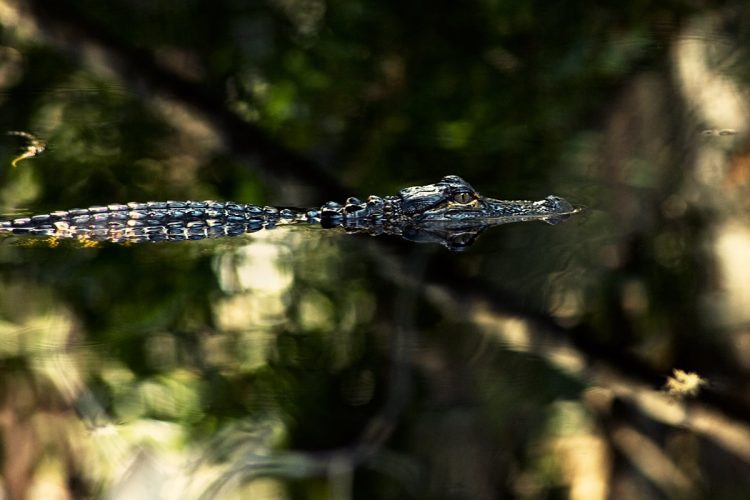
449	212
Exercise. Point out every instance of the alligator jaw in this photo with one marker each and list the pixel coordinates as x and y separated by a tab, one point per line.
456	226
492	212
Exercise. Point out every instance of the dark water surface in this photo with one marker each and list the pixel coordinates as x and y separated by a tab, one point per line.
301	363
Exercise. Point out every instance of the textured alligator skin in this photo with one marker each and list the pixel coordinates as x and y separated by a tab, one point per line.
449	212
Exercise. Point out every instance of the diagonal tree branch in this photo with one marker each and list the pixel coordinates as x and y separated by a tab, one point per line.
64	26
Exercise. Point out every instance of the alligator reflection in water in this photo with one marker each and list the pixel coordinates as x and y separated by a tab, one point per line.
450	212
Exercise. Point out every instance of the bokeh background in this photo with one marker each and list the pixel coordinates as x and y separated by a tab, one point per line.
301	363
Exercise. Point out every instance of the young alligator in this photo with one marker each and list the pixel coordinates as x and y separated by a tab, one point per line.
449	212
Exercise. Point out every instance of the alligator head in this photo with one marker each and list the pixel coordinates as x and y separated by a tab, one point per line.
453	213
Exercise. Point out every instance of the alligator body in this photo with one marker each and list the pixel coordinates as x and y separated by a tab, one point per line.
450	212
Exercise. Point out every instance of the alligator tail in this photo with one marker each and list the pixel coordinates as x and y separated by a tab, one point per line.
153	221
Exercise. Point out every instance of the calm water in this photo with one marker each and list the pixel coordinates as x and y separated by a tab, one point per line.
604	357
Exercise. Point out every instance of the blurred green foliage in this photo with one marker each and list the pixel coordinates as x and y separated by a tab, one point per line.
509	95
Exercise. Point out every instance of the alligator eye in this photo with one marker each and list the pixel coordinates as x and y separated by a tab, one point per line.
463	197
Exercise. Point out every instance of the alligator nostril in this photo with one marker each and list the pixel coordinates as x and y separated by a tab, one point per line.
560	205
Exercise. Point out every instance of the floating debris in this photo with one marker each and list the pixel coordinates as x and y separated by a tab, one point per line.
713	132
684	384
34	148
